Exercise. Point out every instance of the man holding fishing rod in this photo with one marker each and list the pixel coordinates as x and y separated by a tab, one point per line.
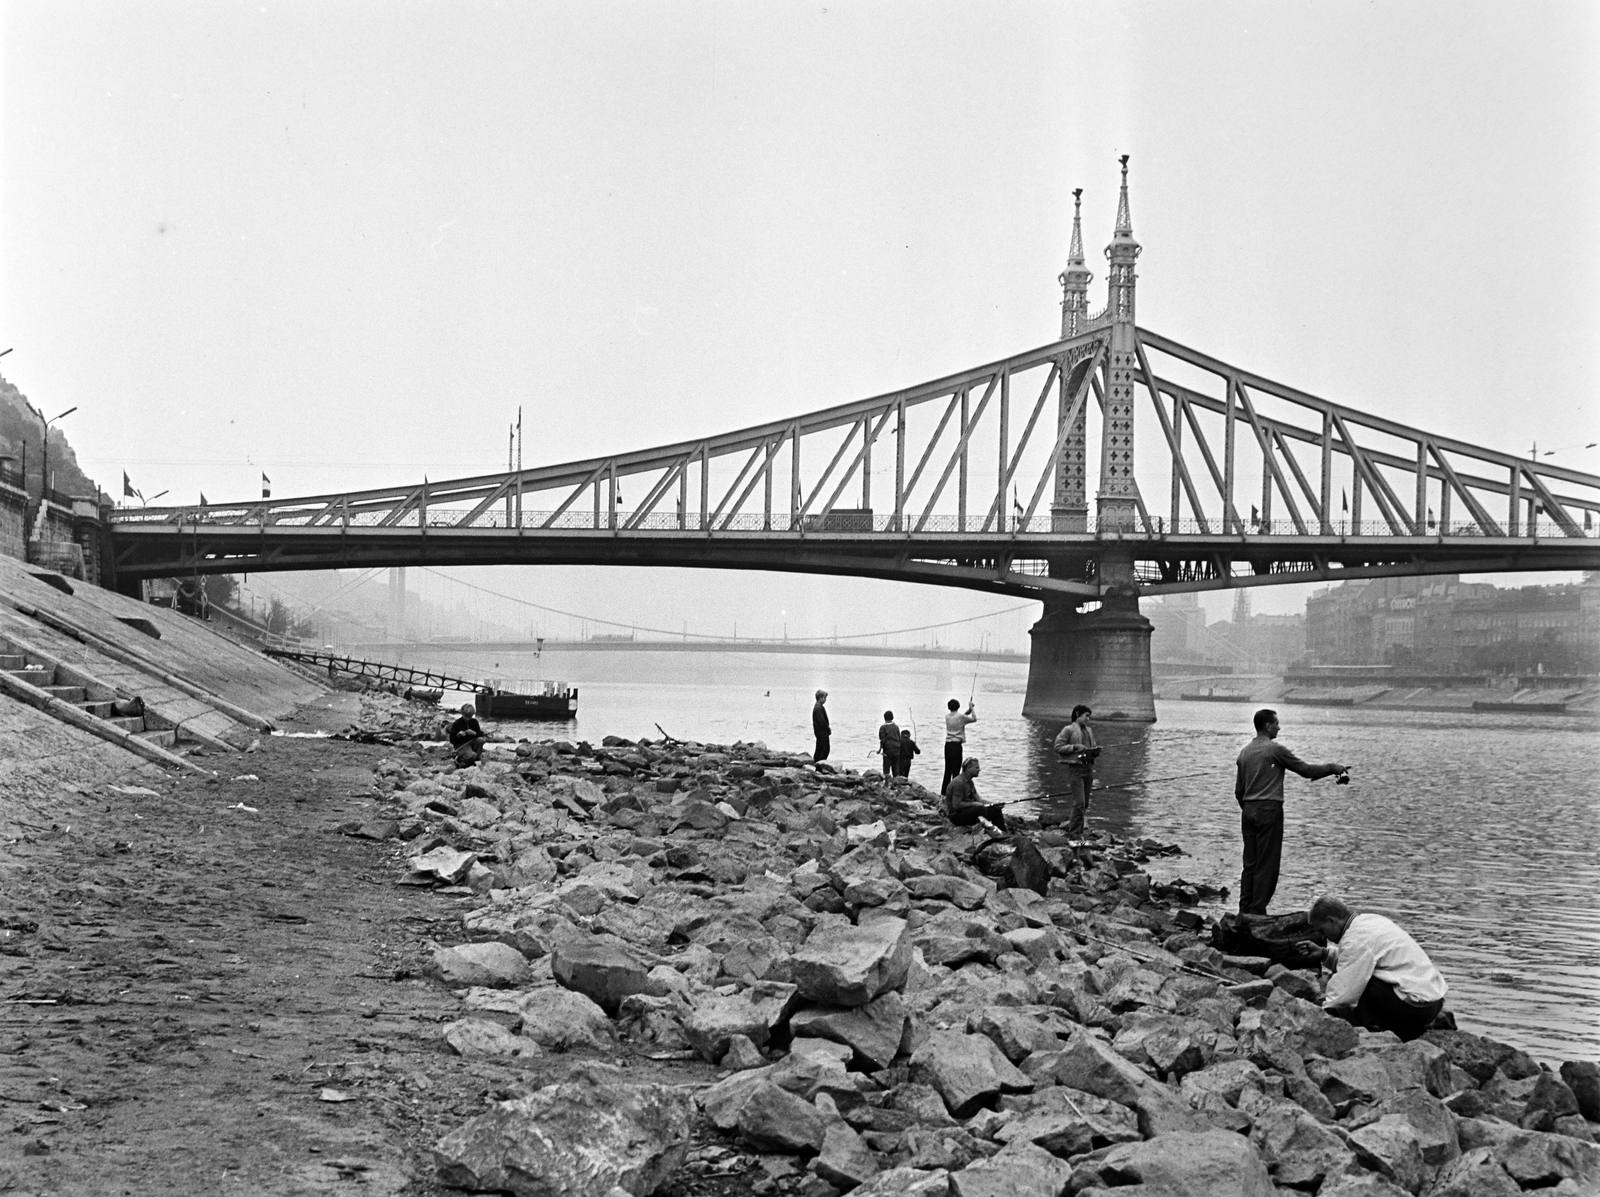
1258	788
1075	745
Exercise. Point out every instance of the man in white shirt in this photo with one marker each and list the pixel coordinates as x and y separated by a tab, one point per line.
955	739
1382	979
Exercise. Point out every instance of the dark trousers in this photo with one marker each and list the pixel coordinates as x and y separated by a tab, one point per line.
821	754
1382	1009
1261	824
952	762
890	763
468	751
1077	801
968	816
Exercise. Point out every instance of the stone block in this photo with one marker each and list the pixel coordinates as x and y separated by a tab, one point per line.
1067	1122
604	972
874	1032
1022	1170
773	1119
967	1070
1390	1147
589	1136
491	964
559	1019
842	965
1215	1163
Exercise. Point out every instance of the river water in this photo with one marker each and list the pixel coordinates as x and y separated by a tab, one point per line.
1479	834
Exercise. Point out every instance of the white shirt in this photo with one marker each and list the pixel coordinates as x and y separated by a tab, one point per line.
1375	947
955	727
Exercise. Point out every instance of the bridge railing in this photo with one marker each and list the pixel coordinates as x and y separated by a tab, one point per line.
837	523
1001	450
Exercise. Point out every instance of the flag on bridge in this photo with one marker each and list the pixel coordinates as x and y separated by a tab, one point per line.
1344	500
1431	522
202	498
266	485
1255	517
127	486
1016	507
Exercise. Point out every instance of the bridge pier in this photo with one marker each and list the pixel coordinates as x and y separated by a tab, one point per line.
1101	658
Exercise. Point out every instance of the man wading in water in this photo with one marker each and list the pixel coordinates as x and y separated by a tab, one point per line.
1258	788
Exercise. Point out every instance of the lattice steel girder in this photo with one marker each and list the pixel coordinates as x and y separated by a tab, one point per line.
944	559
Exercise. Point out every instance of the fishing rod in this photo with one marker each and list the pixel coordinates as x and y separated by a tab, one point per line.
1148	781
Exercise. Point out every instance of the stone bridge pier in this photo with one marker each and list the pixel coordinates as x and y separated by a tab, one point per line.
1099	657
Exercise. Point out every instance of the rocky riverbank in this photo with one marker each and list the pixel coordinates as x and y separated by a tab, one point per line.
896	1006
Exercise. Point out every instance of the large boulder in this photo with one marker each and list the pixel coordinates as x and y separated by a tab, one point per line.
1434	1127
1067	1122
845	1160
1583	1078
586	1137
755	1013
561	1020
1475	1174
968	1071
773	1119
1088	1064
907	1182
1390	1147
490	964
1214	1163
1299	1150
603	971
874	1031
1359	1080
481	1037
1021	1170
842	965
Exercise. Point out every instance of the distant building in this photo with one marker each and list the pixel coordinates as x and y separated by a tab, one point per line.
1444	625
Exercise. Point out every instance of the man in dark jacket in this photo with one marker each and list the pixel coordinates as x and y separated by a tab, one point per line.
466	737
820	726
889	743
1258	788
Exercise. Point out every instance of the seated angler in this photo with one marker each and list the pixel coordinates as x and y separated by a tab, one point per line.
466	737
1382	979
962	803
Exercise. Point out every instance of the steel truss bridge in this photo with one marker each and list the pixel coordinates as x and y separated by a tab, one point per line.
979	479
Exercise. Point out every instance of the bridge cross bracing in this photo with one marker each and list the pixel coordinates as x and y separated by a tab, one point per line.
1209	476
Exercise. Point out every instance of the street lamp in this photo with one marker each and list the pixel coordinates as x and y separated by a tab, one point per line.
44	476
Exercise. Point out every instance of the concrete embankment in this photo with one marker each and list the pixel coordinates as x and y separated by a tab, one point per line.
1510	696
97	651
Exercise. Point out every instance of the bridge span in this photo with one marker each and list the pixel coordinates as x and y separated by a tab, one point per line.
982	481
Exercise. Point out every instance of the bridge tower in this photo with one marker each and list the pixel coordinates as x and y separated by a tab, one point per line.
1100	657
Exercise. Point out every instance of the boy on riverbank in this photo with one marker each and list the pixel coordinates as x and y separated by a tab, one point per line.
955	740
908	749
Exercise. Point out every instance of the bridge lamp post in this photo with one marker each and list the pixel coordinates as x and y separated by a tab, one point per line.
44	470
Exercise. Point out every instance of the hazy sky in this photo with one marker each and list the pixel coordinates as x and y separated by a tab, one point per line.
342	242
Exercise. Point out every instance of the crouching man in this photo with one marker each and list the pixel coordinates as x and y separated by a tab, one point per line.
467	738
1382	979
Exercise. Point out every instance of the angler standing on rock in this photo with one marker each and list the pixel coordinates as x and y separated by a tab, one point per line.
955	739
1075	745
889	744
1382	978
1258	788
820	727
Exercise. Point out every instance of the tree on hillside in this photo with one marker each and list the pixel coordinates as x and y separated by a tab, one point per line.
19	426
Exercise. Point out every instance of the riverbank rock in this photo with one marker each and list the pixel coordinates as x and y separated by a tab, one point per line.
586	1137
1213	1163
604	972
489	963
842	965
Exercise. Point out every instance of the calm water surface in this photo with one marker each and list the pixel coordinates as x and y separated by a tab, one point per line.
1480	835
